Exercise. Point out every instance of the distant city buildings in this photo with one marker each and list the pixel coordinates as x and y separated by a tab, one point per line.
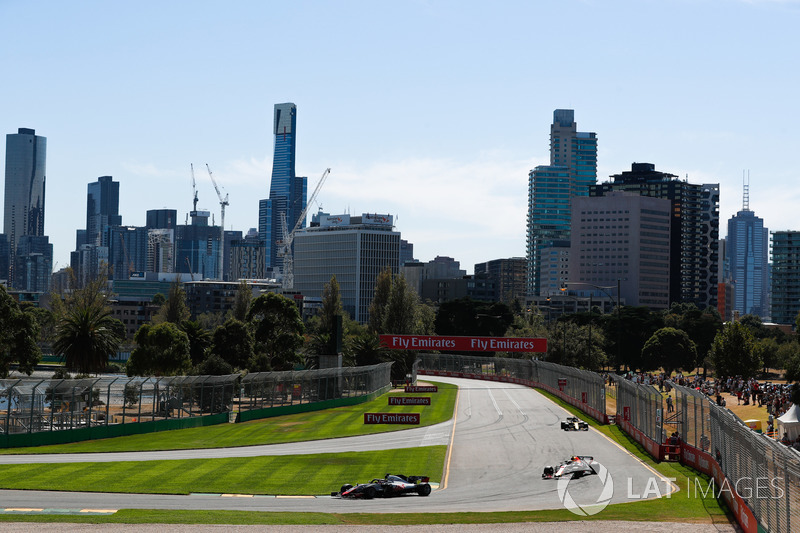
625	238
287	193
694	234
572	170
355	249
747	258
508	278
29	262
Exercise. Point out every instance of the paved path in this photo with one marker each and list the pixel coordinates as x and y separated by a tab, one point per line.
504	435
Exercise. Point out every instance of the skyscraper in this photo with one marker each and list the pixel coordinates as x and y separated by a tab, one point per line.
287	192
102	210
572	170
26	154
694	233
747	254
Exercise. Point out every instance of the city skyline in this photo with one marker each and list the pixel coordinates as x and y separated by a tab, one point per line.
438	121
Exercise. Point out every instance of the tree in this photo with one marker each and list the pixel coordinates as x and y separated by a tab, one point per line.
377	308
241	304
162	350
277	330
767	349
367	349
86	333
328	336
400	313
174	310
670	349
18	334
233	342
199	340
568	344
733	352
636	326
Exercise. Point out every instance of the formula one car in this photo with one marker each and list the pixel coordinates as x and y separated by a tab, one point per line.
574	467
390	485
574	424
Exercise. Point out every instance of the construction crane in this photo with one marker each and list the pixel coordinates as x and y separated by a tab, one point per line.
194	190
222	203
285	245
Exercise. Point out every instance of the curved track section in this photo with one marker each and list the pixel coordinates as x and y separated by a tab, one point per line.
504	434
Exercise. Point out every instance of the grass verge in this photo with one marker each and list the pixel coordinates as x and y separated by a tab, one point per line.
316	474
315	425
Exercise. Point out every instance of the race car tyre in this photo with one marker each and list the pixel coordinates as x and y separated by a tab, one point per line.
424	490
370	492
345	488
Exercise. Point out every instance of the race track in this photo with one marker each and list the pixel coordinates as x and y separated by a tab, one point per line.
504	435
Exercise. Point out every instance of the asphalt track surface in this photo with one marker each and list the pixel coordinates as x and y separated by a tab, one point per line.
502	437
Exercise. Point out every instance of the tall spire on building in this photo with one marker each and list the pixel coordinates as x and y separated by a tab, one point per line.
746	192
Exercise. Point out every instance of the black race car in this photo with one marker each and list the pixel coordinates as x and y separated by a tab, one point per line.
574	424
390	485
574	467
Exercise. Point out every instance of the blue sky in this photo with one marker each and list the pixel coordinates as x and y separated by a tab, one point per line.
433	111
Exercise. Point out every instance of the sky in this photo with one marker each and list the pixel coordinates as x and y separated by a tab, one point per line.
432	111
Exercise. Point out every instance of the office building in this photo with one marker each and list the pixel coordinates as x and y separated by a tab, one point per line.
553	267
572	171
198	248
747	258
287	193
622	240
439	268
248	257
102	210
127	251
5	257
694	232
508	278
34	264
23	214
355	249
406	252
785	303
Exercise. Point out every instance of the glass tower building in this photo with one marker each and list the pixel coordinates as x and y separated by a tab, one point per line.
26	154
572	171
287	192
747	253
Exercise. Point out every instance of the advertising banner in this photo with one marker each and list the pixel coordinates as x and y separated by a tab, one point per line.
391	418
413	400
421	388
464	344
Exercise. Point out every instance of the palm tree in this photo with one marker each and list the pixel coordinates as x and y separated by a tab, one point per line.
85	336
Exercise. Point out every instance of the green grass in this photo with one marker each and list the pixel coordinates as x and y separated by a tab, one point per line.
315	474
330	423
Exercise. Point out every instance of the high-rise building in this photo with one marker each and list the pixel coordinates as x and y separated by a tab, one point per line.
197	247
354	249
102	210
694	232
507	276
622	240
127	251
23	214
34	263
572	171
747	257
287	192
248	257
92	246
785	302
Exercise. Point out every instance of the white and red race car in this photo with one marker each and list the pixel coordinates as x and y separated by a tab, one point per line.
575	467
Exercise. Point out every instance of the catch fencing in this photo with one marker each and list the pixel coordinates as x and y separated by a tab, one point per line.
43	411
639	413
583	389
761	475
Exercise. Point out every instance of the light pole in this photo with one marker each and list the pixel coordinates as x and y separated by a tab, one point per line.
603	289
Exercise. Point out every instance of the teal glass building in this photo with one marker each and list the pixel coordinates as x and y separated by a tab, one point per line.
287	192
572	171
